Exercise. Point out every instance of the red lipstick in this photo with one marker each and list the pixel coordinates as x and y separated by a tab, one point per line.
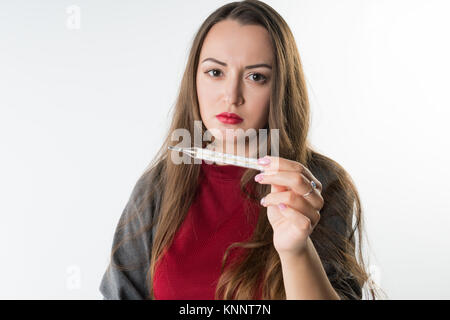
229	118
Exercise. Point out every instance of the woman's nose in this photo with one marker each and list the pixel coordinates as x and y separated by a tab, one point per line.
233	94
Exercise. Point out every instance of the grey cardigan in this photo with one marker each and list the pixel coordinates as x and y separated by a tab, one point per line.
134	251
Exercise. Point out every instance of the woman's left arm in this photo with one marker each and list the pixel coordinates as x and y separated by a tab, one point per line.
293	210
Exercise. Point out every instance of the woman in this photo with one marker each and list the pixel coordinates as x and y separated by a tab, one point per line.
214	231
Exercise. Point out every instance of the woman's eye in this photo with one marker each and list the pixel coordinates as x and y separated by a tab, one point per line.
257	77
218	71
260	76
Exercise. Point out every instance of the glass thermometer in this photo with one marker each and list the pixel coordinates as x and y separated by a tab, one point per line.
215	156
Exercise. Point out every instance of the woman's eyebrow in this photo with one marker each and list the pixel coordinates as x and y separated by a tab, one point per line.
247	67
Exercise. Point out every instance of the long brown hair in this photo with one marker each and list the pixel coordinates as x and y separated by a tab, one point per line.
335	236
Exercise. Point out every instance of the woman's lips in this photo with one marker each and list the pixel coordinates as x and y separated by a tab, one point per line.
229	118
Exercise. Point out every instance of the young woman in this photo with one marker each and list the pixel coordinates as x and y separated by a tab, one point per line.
214	231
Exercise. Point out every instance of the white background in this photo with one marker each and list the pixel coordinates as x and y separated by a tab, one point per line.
84	110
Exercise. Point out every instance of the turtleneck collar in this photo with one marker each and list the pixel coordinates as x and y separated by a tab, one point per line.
222	172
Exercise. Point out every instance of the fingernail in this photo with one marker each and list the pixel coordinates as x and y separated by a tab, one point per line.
282	206
262	201
259	177
264	161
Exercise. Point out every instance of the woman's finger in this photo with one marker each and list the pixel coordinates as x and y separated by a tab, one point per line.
294	181
292	200
302	222
281	164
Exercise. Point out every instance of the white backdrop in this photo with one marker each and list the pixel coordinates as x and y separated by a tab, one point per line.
84	108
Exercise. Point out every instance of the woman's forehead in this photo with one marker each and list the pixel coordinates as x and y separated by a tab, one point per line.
230	42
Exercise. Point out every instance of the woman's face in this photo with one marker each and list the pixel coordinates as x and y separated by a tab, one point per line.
234	76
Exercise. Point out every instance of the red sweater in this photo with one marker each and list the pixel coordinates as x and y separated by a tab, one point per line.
190	268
